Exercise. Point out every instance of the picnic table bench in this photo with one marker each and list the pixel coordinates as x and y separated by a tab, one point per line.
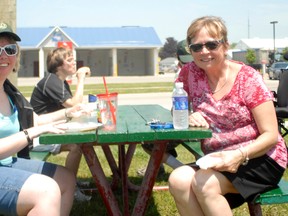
278	195
39	155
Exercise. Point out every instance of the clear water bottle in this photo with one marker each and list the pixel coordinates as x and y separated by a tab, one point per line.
180	107
93	106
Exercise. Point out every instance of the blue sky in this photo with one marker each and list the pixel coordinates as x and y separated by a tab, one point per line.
170	18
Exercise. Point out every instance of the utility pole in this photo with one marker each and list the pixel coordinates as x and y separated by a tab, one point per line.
8	15
248	27
273	23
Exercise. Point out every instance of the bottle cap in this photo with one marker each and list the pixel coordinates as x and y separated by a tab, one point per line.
179	84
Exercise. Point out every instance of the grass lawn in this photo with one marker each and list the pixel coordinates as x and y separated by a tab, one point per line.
121	88
161	202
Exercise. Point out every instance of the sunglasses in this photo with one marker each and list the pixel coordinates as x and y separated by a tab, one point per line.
10	49
210	45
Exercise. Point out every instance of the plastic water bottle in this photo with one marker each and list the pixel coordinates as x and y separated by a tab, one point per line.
180	107
93	106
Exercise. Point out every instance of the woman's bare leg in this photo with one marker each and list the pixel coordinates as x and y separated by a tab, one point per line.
208	186
66	181
38	194
181	189
73	158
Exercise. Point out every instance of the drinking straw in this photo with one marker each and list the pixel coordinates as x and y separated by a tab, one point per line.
105	85
112	108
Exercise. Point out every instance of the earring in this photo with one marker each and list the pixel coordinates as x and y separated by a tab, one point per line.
14	70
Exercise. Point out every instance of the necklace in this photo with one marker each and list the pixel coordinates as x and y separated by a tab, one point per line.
226	80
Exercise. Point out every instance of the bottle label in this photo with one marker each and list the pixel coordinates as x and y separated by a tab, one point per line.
92	98
180	103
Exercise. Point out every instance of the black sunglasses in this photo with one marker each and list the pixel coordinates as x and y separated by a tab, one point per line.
210	45
10	49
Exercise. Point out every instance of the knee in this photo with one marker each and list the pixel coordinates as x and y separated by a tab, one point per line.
180	179
53	189
40	186
49	195
202	182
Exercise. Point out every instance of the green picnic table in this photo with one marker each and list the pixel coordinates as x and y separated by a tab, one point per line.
132	129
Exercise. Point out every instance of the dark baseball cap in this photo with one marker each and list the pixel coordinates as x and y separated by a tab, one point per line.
183	52
5	29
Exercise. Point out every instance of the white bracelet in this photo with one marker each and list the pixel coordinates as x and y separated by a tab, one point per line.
246	158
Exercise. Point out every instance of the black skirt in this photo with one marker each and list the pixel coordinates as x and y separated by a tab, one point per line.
259	175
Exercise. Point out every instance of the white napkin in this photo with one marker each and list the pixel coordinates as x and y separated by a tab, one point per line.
80	126
208	161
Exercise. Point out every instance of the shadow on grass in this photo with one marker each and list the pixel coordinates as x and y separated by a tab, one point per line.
96	205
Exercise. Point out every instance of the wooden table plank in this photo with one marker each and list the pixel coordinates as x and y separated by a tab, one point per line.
68	138
131	129
164	115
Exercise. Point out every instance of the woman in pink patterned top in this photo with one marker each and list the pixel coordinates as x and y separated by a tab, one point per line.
246	154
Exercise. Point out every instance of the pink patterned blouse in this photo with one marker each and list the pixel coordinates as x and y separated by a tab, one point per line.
230	118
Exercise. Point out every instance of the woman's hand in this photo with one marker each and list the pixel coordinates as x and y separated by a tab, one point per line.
230	160
83	72
54	127
78	111
197	120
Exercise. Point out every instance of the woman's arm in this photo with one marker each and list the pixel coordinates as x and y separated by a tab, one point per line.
78	95
265	118
65	114
42	124
12	144
266	121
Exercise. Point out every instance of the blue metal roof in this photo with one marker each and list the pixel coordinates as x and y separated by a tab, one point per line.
129	36
31	37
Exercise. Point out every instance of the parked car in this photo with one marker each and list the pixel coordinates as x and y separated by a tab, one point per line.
168	65
274	70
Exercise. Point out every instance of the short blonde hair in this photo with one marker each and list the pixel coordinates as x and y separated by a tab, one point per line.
215	26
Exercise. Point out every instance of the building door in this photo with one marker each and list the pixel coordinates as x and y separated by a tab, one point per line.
79	64
36	69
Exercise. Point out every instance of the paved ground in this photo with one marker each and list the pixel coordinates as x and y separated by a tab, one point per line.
164	99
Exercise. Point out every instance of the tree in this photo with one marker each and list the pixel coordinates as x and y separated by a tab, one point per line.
285	50
233	45
250	56
169	49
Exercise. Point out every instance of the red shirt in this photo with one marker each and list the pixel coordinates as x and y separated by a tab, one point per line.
230	118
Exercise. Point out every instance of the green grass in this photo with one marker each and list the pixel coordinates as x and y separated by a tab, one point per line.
121	88
161	202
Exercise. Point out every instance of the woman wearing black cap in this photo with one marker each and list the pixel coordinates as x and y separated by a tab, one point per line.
27	187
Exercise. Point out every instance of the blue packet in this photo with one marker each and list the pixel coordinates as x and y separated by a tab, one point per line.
161	125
